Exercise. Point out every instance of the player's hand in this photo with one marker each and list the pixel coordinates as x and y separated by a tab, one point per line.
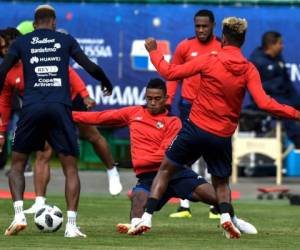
150	44
106	88
2	141
89	102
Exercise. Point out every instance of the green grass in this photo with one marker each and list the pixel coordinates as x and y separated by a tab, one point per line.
276	221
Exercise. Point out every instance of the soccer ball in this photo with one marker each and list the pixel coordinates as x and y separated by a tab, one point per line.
48	218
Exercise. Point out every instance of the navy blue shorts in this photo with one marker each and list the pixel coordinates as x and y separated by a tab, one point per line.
78	104
192	142
43	122
180	186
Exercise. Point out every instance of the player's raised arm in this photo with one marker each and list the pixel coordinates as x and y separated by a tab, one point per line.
171	71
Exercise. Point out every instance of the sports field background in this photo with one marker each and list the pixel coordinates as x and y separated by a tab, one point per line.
277	221
277	224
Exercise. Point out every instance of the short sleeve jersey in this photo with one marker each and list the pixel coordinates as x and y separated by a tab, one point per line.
45	55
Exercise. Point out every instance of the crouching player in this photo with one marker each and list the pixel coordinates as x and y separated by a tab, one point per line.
151	131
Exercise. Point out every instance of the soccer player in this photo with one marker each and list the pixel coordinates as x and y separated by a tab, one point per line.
203	42
214	116
15	81
46	111
152	129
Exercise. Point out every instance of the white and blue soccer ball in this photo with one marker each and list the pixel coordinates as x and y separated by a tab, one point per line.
48	218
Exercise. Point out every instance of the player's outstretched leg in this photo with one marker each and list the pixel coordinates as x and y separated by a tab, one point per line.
139	198
101	147
159	186
17	187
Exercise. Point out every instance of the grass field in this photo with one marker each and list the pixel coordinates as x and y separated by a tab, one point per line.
277	223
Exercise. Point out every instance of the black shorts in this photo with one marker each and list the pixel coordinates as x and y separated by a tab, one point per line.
43	122
180	186
192	142
78	104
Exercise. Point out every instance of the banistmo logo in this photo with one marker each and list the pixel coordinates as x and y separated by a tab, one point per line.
56	46
36	40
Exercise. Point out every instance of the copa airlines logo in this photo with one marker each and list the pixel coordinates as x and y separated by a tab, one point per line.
140	59
54	82
37	40
130	95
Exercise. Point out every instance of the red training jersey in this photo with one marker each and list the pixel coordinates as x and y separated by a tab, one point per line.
225	76
15	81
186	51
149	135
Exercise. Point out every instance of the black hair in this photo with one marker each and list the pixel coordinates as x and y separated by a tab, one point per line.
270	38
233	37
11	33
157	83
44	15
206	13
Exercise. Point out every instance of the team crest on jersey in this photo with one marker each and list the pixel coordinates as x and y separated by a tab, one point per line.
159	125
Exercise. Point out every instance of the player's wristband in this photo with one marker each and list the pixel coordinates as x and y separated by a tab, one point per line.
2	136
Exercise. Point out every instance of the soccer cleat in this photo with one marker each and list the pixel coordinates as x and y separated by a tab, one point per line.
231	232
244	226
73	232
16	226
143	226
182	212
213	213
33	209
123	228
114	183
